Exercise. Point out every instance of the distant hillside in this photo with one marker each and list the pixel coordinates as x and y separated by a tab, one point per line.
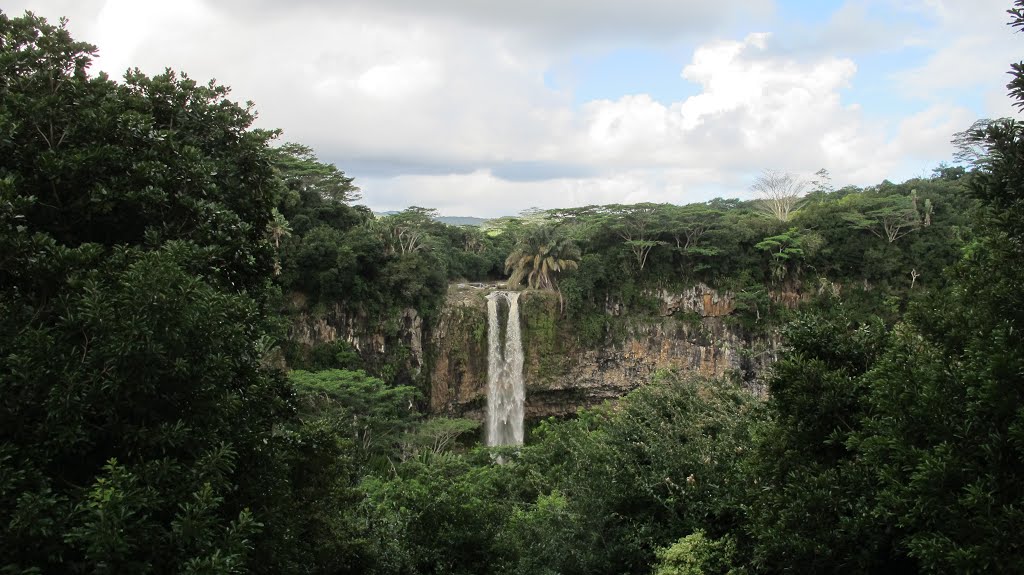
450	220
461	220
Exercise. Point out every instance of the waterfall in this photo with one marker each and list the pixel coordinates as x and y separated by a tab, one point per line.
506	393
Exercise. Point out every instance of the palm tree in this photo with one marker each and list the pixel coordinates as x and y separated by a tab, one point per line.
278	228
539	255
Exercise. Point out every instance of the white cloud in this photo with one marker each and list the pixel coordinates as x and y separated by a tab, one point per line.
753	112
972	49
123	26
446	95
400	80
561	23
750	109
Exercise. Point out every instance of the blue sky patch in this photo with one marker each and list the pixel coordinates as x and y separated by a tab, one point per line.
633	70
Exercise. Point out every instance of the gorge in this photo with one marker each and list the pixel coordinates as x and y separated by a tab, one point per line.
521	350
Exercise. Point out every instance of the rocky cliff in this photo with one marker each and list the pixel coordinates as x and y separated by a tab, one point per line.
691	331
395	340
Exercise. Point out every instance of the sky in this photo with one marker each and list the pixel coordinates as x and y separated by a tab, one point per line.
489	107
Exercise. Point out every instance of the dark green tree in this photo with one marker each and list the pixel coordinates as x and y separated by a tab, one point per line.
138	431
628	478
907	454
303	173
811	510
889	217
689	228
948	439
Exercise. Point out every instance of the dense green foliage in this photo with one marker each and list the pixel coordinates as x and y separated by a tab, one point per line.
333	257
149	237
835	241
341	254
132	287
598	494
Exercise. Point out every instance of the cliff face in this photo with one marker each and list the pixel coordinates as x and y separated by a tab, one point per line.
374	341
690	332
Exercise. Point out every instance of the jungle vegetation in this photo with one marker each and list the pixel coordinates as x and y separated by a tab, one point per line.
153	245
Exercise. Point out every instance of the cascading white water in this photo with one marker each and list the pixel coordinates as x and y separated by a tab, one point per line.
506	393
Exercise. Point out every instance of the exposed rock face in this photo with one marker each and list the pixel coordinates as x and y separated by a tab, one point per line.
411	333
790	298
691	333
699	299
458	380
367	337
709	348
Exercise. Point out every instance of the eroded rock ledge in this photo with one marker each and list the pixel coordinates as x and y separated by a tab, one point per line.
693	331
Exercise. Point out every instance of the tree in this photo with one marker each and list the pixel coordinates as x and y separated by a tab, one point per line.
437	514
408	231
822	182
814	492
688	225
625	479
638	225
138	431
374	414
778	193
948	173
905	451
948	440
888	217
322	265
278	228
539	257
303	172
696	554
970	145
436	435
787	251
